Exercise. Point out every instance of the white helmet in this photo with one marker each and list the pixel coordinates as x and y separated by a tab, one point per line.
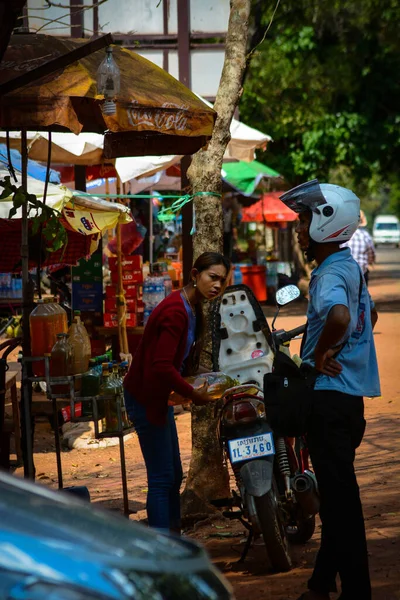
335	210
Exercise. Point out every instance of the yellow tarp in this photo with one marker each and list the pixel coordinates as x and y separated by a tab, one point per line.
85	215
150	100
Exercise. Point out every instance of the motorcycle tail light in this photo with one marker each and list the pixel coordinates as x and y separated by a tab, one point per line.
244	411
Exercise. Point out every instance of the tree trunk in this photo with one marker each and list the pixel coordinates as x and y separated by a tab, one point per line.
208	477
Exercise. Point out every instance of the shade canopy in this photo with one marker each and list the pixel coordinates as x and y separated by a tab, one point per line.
245	140
246	176
155	113
83	217
96	213
87	149
34	169
269	209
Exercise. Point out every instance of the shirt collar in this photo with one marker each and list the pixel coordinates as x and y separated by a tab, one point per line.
342	254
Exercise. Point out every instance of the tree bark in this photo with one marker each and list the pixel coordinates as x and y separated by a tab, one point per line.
208	477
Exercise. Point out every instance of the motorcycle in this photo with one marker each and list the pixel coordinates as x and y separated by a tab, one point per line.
277	494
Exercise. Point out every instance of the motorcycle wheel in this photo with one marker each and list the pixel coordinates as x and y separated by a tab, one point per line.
273	531
302	531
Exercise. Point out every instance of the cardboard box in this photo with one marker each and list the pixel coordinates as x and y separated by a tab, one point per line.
128	277
90	302
111	320
129	263
82	289
88	271
86	279
133	290
87	297
110	305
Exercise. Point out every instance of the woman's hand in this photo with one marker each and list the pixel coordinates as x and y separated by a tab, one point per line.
324	363
201	397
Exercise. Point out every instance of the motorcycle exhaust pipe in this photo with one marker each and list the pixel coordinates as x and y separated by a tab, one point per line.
305	489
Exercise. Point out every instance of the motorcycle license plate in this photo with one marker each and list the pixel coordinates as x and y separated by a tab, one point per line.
251	447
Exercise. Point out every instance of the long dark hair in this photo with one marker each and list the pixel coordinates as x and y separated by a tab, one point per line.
202	263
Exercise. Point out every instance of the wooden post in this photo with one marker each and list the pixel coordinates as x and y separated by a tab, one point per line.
26	396
121	305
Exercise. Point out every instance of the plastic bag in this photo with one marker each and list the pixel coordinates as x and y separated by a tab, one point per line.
214	383
132	235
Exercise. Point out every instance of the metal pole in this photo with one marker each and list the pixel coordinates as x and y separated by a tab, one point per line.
151	233
26	396
57	443
121	305
185	78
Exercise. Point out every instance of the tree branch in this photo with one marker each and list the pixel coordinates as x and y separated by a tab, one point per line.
59	5
265	32
68	6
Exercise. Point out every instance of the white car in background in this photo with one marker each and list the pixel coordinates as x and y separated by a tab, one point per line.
386	230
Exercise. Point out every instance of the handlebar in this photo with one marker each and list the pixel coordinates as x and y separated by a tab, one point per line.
286	336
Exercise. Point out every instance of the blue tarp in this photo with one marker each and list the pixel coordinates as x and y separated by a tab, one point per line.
35	169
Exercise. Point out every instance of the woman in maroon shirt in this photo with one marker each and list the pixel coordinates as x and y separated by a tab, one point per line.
170	346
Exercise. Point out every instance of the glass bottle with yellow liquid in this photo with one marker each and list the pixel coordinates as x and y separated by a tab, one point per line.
61	363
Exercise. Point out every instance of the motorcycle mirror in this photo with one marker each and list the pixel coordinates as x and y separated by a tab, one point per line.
287	294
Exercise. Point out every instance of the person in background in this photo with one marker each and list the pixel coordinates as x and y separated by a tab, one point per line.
170	348
339	344
362	247
231	216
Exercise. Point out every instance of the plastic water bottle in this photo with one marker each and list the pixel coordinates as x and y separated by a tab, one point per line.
153	294
237	275
147	298
167	284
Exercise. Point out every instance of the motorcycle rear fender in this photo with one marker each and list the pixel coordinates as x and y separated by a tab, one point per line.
257	476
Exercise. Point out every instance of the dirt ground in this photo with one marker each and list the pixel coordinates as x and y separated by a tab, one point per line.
378	470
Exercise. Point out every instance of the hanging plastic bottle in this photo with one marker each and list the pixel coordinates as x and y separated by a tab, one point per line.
61	362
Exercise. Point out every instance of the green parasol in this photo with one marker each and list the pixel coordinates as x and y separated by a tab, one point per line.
245	176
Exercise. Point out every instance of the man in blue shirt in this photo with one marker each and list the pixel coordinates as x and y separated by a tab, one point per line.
339	344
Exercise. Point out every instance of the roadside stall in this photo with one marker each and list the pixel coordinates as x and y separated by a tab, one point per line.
272	218
48	83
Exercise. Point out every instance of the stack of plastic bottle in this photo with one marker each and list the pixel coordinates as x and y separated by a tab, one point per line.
153	294
46	321
80	341
5	285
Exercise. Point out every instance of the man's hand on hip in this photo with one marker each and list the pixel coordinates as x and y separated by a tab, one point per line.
326	364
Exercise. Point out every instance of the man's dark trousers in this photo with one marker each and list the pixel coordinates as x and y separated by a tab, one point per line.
335	430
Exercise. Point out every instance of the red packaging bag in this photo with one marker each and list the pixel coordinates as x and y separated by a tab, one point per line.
132	235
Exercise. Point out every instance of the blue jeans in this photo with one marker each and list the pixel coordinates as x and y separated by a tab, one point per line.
160	449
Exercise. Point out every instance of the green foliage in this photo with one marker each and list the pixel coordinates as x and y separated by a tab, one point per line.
324	84
44	218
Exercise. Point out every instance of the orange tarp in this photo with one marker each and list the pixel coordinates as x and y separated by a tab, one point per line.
269	209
